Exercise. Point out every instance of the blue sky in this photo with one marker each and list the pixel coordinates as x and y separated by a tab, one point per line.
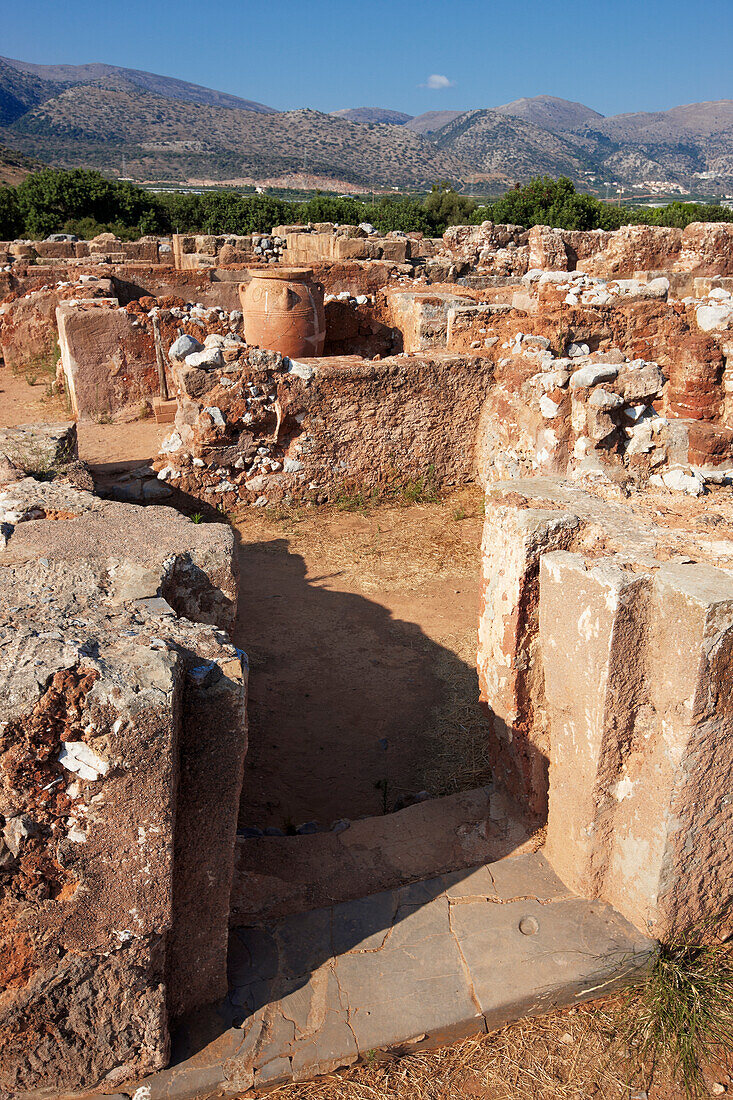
622	56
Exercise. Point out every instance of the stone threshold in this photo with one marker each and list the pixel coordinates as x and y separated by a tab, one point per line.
277	876
410	968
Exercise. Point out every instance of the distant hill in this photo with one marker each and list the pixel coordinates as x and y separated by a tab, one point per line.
14	167
167	86
372	115
694	121
161	128
511	148
96	125
550	113
19	92
431	121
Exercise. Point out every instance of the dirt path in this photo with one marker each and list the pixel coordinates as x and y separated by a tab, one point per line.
361	635
105	447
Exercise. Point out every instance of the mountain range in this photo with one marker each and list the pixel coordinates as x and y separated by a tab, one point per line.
169	130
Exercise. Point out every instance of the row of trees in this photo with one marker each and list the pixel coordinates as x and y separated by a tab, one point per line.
85	203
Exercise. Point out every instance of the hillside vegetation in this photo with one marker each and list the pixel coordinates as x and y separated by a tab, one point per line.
160	138
86	203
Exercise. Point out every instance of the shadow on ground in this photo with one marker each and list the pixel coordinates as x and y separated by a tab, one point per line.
342	695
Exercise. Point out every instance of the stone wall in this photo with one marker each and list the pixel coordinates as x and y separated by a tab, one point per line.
603	657
108	352
700	249
122	742
256	428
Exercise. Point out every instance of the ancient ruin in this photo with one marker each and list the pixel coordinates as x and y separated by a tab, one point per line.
153	936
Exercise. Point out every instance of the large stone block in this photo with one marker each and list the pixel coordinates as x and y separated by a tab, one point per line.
590	633
108	362
509	664
672	861
122	743
87	792
637	671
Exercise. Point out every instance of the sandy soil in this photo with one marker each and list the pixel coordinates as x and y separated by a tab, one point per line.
361	635
105	447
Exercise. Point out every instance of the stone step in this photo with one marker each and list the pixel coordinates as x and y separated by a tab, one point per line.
277	876
405	969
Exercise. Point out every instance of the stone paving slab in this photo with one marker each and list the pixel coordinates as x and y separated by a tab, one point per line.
409	968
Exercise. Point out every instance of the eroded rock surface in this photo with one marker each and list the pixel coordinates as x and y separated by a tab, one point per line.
122	743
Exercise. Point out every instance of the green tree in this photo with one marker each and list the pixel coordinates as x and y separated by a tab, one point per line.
444	207
546	201
11	222
48	199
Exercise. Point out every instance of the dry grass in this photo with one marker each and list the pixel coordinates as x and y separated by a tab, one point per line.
382	544
566	1056
578	1054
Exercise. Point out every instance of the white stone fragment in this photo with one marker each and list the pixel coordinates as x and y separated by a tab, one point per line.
172	444
208	359
592	374
216	415
77	756
682	481
548	407
300	370
605	399
716	316
576	350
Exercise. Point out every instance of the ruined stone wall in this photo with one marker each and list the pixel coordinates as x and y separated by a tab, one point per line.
604	649
254	427
108	351
700	249
122	741
28	330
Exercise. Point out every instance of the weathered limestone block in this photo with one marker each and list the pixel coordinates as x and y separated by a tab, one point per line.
637	674
40	448
122	744
509	666
212	744
134	553
108	361
706	249
422	316
590	638
547	249
635	248
672	861
86	767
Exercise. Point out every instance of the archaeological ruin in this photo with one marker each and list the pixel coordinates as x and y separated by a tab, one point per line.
162	935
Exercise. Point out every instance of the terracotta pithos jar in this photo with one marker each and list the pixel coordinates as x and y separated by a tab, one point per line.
283	311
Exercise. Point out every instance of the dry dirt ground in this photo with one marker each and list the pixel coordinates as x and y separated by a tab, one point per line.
361	632
579	1054
104	446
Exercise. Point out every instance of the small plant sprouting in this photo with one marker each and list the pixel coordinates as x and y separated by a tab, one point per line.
682	1016
459	513
31	379
197	517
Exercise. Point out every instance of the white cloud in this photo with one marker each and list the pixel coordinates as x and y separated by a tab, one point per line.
437	82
